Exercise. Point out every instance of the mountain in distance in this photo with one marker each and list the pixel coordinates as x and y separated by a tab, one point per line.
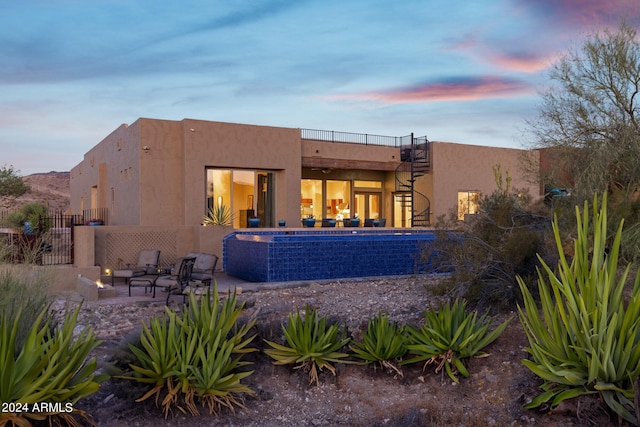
51	189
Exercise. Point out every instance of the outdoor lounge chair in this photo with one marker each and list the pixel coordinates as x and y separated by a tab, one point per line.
147	262
147	280
178	283
204	267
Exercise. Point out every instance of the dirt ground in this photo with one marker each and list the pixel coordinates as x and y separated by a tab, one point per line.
493	394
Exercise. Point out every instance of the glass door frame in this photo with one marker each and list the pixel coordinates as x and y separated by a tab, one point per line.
367	203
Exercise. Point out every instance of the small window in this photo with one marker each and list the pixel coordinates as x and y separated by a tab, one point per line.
467	203
367	184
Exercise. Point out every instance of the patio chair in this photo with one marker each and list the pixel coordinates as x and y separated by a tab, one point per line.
177	283
147	262
368	222
203	268
328	222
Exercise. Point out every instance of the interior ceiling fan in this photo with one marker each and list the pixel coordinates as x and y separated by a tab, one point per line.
323	170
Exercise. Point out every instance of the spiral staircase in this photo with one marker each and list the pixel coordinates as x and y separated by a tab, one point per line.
414	155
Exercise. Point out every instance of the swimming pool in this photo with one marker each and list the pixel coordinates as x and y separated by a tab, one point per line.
289	255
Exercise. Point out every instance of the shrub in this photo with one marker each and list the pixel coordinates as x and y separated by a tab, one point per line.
194	358
48	367
587	339
486	252
311	344
383	342
35	213
23	290
450	335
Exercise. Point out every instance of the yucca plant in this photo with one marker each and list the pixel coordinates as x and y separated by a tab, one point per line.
218	215
50	366
312	345
587	339
450	335
194	358
384	342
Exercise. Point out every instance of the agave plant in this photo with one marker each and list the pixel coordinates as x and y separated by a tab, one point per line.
50	366
383	342
195	358
586	340
450	335
311	344
218	215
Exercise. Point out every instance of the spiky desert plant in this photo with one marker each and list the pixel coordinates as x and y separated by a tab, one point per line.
50	366
450	335
312	345
383	342
194	358
587	339
218	215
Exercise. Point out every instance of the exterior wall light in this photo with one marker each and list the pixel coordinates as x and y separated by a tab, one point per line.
146	149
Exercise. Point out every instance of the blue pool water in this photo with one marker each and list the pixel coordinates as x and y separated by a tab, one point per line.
281	256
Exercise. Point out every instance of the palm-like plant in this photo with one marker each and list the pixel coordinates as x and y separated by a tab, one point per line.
194	358
218	215
312	345
586	340
450	335
384	342
48	367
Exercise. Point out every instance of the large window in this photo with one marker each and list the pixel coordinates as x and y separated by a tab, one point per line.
246	192
311	198
337	203
467	203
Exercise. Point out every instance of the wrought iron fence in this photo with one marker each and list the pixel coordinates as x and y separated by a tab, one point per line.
47	241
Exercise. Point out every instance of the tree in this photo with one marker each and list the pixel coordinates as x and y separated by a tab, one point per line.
589	120
11	186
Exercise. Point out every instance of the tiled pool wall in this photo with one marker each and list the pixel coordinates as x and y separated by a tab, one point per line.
282	256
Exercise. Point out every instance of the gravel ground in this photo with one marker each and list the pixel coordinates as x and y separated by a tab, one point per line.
493	394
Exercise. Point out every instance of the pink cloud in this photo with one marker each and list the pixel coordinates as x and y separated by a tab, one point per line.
464	89
585	13
526	63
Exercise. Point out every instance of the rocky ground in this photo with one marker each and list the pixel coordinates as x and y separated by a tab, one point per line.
493	394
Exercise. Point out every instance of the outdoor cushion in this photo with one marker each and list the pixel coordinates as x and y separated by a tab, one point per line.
146	259
204	266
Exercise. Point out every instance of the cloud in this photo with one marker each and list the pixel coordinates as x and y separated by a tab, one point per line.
165	39
453	89
526	62
583	13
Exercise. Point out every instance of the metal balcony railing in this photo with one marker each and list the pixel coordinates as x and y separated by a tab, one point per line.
354	138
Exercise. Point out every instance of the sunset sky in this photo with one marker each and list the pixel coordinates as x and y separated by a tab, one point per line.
72	71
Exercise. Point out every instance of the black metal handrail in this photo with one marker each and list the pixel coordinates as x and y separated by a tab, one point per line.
354	138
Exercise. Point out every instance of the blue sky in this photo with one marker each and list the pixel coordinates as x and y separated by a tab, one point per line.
71	71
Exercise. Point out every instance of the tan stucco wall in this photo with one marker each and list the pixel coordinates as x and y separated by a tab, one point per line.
112	164
460	167
228	145
164	184
349	156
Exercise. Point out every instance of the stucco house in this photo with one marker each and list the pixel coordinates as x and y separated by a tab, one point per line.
167	173
157	179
